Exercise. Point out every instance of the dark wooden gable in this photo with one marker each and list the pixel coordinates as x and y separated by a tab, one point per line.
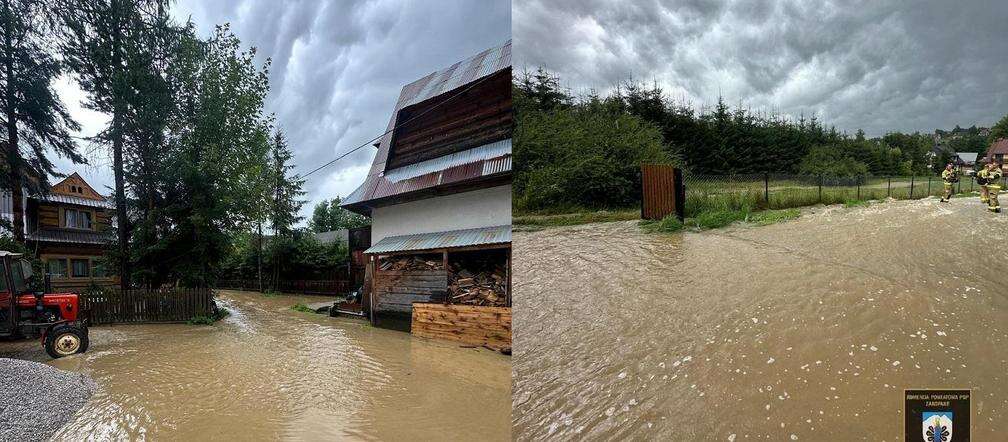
449	123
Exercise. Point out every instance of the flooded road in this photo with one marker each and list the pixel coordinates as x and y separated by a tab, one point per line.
267	372
806	330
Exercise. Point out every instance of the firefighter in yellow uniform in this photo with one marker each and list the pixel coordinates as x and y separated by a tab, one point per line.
981	180
949	177
993	186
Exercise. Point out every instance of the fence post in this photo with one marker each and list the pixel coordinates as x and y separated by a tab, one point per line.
858	188
912	185
888	189
820	188
766	189
929	185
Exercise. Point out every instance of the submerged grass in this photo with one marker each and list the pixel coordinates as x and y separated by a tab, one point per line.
537	221
713	219
221	313
299	307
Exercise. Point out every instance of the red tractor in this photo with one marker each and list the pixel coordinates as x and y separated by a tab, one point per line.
23	314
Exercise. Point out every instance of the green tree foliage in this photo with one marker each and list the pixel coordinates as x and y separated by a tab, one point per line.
585	154
103	45
581	150
1000	130
218	141
285	192
36	124
297	256
328	216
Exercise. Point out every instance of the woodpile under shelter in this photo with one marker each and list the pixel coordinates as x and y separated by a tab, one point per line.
439	197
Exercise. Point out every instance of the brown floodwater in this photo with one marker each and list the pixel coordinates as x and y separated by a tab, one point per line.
806	330
267	372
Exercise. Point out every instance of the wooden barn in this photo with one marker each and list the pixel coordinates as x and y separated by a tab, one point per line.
439	197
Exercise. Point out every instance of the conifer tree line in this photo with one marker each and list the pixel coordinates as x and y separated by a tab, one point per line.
585	149
199	166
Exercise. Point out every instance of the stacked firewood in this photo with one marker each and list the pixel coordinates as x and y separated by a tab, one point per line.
484	287
410	263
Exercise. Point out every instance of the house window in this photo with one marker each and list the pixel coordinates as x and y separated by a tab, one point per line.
80	267
57	268
77	219
98	269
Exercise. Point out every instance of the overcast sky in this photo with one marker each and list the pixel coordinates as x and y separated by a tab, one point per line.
338	67
881	66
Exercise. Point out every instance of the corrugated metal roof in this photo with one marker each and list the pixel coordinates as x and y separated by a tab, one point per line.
69	236
462	73
443	240
438	83
67	199
483	161
484	152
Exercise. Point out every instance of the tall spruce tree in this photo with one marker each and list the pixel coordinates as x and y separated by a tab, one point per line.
35	120
98	37
286	194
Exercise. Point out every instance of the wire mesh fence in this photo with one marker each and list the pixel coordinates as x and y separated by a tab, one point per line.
781	191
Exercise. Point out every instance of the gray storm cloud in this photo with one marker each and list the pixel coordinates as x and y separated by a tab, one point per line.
879	66
337	69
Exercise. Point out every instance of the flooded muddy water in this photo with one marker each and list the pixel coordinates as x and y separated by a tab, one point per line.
806	330
268	372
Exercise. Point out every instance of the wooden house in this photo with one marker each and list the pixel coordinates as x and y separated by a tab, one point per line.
998	152
70	230
439	192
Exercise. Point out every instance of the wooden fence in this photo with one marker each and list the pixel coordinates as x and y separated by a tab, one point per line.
331	287
110	306
662	191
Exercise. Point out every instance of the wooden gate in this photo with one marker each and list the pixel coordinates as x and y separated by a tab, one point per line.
662	191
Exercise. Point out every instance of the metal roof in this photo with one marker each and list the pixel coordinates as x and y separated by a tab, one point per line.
443	240
69	236
462	73
967	157
481	153
483	161
67	199
458	75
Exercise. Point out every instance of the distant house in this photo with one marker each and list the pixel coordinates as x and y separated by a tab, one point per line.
998	152
69	230
966	161
439	189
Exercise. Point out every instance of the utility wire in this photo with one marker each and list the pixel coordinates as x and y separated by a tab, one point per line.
398	125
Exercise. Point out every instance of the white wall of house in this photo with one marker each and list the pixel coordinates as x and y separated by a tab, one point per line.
467	210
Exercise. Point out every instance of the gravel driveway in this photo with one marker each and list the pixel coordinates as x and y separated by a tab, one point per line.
38	399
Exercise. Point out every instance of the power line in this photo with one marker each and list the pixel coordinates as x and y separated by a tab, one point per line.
398	125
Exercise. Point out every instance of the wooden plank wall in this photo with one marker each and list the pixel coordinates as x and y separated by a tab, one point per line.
661	191
396	291
169	304
473	325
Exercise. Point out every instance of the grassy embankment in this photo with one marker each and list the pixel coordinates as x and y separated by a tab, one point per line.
713	204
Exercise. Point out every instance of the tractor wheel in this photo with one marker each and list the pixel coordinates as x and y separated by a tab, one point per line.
65	340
